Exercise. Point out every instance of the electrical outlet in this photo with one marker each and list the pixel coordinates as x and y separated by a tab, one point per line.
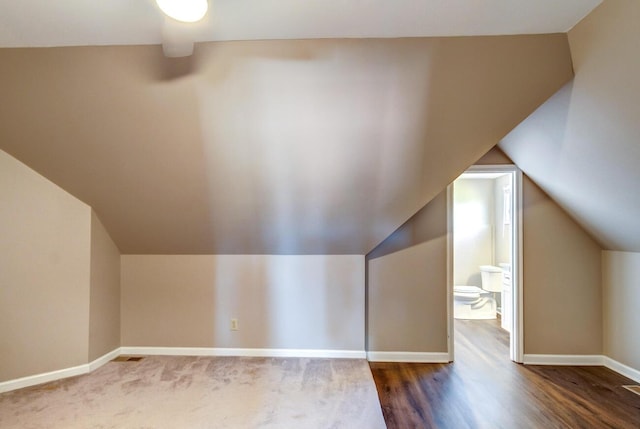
234	324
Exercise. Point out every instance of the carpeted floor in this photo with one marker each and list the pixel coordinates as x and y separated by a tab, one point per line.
203	392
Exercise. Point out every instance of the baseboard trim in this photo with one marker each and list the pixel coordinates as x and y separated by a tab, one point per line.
622	369
104	359
575	360
415	357
211	351
46	377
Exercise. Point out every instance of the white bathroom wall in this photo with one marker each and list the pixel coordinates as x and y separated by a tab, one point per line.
473	229
502	231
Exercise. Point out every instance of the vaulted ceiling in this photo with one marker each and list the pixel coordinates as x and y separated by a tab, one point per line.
583	145
289	146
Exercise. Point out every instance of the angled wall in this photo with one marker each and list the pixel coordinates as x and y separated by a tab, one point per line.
562	280
581	147
269	147
45	238
59	280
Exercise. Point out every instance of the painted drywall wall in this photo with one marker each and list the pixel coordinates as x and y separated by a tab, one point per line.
621	301
104	296
289	302
562	280
407	305
562	286
581	146
44	274
407	278
473	229
269	147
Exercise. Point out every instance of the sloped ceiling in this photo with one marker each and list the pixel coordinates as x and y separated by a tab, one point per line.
315	146
289	146
583	146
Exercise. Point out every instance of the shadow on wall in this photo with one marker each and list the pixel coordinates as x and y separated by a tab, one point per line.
428	224
308	143
280	301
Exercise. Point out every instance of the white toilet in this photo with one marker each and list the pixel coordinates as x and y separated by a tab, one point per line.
472	302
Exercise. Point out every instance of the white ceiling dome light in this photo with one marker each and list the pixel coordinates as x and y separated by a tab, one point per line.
179	25
184	10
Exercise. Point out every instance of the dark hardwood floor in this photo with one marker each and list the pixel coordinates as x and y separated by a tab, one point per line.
484	389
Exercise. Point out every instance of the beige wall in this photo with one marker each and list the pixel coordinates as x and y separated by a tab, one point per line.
562	280
621	301
407	303
562	289
104	301
407	278
44	274
299	302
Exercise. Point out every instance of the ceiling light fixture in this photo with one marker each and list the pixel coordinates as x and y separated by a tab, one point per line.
184	10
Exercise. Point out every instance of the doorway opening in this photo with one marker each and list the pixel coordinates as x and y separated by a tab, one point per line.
485	260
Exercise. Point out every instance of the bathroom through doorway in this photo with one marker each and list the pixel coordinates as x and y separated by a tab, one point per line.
484	257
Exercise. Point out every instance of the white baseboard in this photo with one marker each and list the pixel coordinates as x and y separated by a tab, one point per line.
622	369
107	357
212	351
584	360
46	377
574	360
415	357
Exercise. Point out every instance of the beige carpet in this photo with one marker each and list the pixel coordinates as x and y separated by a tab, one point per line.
203	392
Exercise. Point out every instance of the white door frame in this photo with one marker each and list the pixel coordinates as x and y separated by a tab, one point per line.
516	349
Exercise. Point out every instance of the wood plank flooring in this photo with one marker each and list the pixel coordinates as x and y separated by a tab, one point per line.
484	389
